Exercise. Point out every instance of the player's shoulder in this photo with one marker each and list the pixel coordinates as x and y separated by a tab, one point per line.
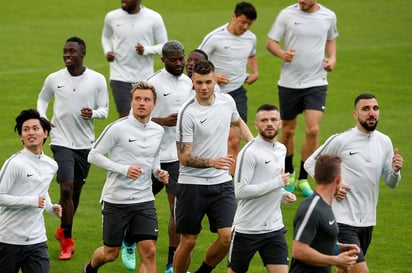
145	11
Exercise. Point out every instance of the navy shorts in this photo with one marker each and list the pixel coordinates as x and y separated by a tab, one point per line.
138	220
73	164
240	98
121	94
361	236
193	202
28	258
173	169
293	102
272	248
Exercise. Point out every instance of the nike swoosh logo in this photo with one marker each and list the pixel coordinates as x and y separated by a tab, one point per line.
166	94
202	121
132	139
226	47
60	86
267	161
297	23
30	174
331	222
353	153
156	230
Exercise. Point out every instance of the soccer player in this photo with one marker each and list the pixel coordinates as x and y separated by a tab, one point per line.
232	49
194	56
132	145
205	185
24	183
315	229
367	155
80	96
131	36
259	181
308	31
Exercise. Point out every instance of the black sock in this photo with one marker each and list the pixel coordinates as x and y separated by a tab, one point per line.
303	174
90	269
171	254
204	268
67	230
289	164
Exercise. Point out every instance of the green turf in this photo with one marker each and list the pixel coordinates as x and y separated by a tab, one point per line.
374	54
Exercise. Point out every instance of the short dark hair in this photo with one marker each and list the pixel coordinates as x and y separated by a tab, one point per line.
77	40
203	67
247	9
364	96
201	52
144	85
327	168
31	114
172	47
267	107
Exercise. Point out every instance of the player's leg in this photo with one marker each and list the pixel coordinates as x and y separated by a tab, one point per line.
121	96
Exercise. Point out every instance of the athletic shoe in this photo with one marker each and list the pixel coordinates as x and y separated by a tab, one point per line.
304	187
291	186
129	256
169	268
59	235
67	249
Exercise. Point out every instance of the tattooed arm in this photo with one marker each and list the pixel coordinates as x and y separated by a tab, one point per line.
242	130
187	158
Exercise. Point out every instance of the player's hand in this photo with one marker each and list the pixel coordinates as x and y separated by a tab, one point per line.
221	79
41	202
342	191
288	55
329	64
86	113
134	172
251	78
289	198
163	176
139	49
223	162
57	210
346	260
170	120
397	161
285	177
110	56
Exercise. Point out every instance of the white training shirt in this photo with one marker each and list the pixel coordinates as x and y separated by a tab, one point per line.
121	33
128	142
259	187
23	178
307	33
365	158
172	91
70	95
230	53
207	129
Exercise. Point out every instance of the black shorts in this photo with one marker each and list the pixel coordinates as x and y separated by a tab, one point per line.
272	248
240	97
361	236
28	258
139	220
73	164
173	169
194	201
293	102
121	94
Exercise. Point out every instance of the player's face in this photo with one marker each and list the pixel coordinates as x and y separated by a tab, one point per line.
142	104
33	135
367	114
191	61
308	5
174	63
73	54
268	124
130	6
240	24
204	86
